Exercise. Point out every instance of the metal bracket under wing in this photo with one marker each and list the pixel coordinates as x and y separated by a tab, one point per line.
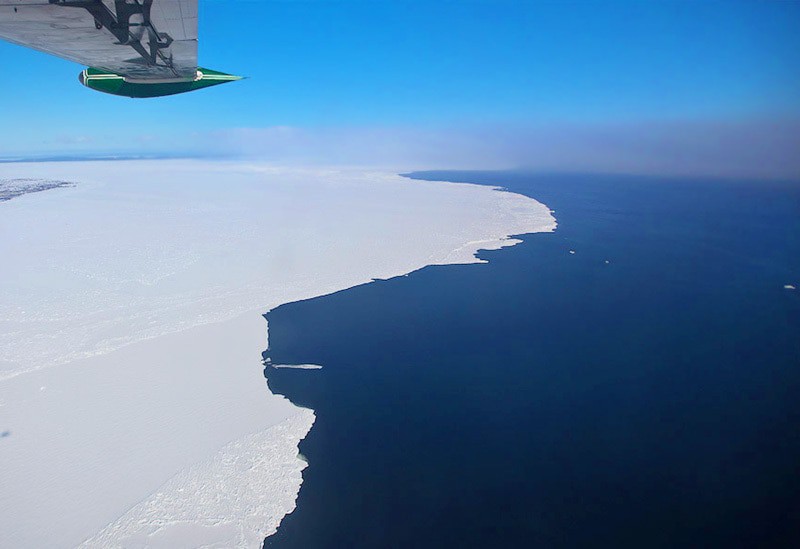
142	39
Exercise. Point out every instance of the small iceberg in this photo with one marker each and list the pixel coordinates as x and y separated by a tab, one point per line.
298	366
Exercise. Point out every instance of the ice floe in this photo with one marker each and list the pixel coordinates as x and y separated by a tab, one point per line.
297	366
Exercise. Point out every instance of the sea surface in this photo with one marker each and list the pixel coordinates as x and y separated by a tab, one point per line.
643	391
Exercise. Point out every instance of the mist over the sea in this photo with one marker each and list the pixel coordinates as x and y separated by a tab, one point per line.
748	148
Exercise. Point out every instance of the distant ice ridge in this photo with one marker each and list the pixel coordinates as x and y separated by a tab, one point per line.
137	298
12	188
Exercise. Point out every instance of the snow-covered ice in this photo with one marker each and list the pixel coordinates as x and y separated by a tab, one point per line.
133	407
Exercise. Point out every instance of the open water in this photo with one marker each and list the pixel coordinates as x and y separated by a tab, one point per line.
643	391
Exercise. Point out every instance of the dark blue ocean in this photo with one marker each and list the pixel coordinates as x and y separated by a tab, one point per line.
547	399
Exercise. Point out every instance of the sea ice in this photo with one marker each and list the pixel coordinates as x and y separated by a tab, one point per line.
136	297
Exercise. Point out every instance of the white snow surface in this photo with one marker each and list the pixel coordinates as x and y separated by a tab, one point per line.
133	406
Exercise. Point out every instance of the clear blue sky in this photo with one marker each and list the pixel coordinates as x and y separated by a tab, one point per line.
433	64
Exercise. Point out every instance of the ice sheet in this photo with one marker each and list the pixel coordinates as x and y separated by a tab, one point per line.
133	407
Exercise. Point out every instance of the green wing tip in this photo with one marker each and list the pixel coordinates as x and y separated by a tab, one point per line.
116	84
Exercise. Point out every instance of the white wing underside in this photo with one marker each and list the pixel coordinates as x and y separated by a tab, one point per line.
139	39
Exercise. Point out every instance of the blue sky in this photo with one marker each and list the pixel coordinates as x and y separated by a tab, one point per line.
327	68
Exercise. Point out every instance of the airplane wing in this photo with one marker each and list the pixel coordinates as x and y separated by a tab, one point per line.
136	41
